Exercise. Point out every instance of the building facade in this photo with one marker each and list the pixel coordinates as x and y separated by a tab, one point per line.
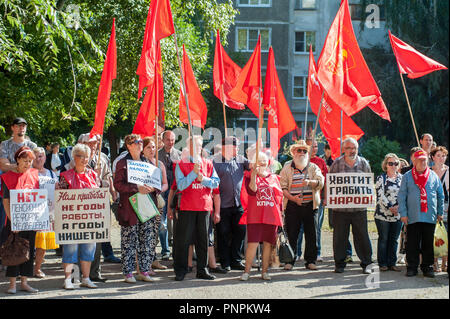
290	27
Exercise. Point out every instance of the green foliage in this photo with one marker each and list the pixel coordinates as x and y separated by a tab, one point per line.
52	54
376	148
424	25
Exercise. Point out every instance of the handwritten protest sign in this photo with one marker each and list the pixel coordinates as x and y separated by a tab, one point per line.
350	190
29	209
142	173
82	216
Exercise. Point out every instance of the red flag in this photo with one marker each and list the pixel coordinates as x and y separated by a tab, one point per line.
159	25
152	104
197	106
342	70
104	91
412	62
225	73
280	116
330	113
249	83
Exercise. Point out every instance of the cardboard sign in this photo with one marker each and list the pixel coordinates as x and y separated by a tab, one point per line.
142	173
29	209
82	216
351	190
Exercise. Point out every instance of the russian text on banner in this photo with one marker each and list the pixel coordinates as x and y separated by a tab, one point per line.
82	216
29	209
351	190
142	173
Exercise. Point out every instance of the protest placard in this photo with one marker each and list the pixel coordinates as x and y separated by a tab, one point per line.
29	209
350	190
82	216
142	173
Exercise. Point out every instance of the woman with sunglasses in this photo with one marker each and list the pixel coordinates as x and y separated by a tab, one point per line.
136	237
387	218
79	177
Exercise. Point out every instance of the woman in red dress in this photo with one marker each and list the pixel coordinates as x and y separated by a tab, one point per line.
23	177
262	196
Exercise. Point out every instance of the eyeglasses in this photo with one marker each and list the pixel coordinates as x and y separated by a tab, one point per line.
81	156
136	142
301	150
393	163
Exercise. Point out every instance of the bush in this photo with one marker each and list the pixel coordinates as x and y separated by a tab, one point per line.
376	148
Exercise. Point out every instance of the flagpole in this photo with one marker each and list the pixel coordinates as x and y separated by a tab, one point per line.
342	129
410	111
306	116
99	152
183	86
224	112
260	125
156	130
317	120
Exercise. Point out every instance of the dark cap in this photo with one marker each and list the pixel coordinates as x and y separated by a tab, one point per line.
230	140
19	120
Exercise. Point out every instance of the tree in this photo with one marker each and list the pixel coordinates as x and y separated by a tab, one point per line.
424	25
57	92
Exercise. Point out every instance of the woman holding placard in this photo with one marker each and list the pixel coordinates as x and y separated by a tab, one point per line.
79	177
136	236
149	152
23	177
45	240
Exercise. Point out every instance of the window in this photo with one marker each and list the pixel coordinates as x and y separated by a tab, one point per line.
255	3
299	86
305	4
303	39
357	12
247	39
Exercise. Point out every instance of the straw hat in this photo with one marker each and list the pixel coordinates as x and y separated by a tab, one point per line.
300	144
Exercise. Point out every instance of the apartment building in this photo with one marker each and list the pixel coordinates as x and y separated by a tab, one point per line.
290	26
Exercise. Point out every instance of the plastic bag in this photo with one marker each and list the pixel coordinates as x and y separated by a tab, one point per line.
440	240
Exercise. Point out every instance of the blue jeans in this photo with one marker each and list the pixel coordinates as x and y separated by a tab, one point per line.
388	234
163	232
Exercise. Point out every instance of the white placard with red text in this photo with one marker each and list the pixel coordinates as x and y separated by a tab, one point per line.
351	190
82	216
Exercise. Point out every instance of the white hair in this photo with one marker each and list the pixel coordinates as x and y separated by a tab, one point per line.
261	155
351	140
81	148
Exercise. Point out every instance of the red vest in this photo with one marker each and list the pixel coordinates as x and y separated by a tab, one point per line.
27	180
264	206
80	181
197	197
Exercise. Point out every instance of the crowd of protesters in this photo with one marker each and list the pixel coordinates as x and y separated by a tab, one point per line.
229	202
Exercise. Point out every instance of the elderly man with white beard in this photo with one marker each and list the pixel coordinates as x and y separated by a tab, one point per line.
350	162
301	182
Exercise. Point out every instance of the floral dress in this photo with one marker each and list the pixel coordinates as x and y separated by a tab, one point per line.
387	191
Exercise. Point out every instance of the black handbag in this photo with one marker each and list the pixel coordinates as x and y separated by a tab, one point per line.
15	251
285	252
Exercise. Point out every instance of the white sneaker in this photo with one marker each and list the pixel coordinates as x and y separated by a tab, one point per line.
144	277
86	282
265	276
130	280
68	285
319	259
245	276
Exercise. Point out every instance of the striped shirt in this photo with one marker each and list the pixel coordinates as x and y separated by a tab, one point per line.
297	188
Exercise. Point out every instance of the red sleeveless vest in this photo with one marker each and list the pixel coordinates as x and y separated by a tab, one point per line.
197	197
27	180
264	206
80	181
